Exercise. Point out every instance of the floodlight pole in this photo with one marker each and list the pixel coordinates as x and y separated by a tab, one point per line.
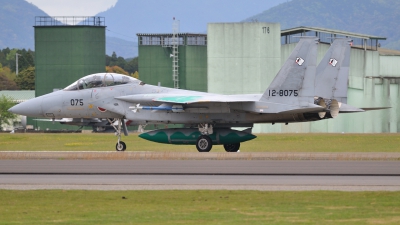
16	60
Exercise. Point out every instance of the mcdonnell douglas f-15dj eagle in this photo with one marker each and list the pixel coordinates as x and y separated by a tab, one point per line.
300	92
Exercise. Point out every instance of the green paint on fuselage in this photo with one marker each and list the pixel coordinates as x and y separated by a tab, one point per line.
179	99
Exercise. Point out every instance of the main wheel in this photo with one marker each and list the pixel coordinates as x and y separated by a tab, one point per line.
232	147
121	146
204	143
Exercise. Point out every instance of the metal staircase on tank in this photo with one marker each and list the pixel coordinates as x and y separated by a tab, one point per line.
175	53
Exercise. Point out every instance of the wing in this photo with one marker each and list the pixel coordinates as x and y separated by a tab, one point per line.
249	103
187	99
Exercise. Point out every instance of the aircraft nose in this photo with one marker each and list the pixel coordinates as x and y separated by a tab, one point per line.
31	108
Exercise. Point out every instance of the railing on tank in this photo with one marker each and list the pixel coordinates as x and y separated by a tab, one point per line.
167	40
328	38
70	21
197	40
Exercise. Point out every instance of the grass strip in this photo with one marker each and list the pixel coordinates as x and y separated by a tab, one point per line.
263	143
198	207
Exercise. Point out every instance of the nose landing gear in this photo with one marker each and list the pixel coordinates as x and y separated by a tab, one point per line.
120	146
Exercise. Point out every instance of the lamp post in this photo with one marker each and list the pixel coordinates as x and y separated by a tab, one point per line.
16	60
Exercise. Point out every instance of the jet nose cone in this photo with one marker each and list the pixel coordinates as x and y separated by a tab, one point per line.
12	110
29	108
15	109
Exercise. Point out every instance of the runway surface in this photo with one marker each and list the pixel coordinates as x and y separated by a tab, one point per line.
133	155
200	174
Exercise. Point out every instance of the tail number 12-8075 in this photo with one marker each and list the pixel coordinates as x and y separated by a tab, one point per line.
283	93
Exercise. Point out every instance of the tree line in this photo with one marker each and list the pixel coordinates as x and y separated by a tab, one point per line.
26	64
26	67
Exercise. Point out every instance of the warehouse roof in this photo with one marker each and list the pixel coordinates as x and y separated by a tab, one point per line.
170	34
302	29
20	95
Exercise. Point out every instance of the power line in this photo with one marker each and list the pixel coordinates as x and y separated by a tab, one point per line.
120	34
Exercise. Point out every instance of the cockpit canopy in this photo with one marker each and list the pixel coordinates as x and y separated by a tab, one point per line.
101	80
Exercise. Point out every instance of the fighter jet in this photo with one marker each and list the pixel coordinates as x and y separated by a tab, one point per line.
300	92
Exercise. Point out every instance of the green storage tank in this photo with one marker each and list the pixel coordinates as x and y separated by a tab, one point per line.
66	49
156	60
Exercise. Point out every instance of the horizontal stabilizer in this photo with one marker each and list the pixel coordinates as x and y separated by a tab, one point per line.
344	108
375	108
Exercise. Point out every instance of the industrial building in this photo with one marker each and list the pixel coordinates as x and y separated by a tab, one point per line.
243	58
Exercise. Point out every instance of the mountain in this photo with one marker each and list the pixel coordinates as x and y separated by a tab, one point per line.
17	18
373	17
129	17
123	48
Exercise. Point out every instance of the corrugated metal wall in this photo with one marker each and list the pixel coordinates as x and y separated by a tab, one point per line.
194	68
63	54
155	65
390	65
243	58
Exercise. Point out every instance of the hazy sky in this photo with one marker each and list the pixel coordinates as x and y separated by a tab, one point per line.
73	7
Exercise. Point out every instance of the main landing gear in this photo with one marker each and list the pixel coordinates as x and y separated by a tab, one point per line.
232	147
120	146
204	142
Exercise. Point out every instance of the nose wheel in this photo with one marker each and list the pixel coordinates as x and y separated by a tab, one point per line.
121	146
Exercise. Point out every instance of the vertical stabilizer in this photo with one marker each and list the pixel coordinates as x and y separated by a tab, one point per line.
333	72
294	83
